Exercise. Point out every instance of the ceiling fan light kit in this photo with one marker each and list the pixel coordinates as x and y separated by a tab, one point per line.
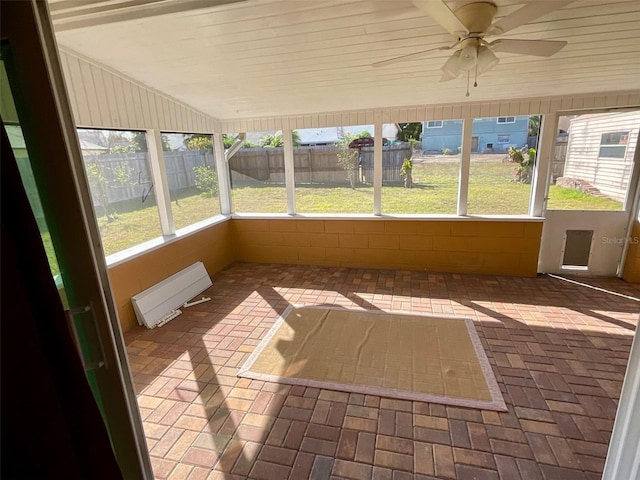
470	24
452	66
486	59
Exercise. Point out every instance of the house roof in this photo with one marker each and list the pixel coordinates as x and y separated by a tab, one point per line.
590	116
311	136
260	58
84	145
331	135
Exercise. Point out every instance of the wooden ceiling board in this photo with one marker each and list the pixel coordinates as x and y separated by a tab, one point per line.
264	58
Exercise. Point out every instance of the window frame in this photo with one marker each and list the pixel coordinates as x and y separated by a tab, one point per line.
435	122
505	120
623	135
167	134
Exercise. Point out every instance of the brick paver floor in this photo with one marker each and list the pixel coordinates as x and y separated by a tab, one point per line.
558	350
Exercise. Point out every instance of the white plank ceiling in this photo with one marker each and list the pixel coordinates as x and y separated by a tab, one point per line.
261	58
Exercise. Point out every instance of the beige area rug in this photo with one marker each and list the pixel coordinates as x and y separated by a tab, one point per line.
412	357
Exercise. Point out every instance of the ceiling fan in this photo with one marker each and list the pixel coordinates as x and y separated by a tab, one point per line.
470	23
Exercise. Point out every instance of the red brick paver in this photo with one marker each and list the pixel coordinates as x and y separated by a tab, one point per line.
558	351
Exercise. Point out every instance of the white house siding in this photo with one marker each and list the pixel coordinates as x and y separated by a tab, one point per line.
609	175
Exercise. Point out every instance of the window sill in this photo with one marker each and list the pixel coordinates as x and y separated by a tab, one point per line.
364	216
151	245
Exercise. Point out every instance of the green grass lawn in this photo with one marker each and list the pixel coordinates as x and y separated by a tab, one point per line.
491	192
562	198
51	255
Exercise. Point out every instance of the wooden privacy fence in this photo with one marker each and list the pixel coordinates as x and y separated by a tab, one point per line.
126	176
313	165
559	157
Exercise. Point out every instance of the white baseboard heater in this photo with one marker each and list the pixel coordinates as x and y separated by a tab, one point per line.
159	304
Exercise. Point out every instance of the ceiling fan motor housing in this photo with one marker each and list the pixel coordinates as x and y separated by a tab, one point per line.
476	17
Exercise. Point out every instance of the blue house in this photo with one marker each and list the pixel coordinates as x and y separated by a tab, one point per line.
490	135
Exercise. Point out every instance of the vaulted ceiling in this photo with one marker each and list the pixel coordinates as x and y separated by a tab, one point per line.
260	58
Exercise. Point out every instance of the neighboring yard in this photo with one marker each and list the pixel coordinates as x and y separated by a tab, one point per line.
491	192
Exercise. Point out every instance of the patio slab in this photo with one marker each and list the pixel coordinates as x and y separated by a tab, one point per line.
558	351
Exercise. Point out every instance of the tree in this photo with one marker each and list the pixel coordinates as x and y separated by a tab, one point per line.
138	142
534	125
119	142
348	157
199	142
407	167
272	140
97	174
228	141
409	131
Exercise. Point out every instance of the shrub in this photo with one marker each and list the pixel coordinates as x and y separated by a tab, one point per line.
447	151
405	171
206	181
524	173
228	140
515	155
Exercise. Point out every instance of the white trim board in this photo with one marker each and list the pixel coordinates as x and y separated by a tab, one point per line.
623	457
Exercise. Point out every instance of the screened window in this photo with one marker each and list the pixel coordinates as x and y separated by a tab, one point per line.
613	145
191	174
434	124
500	178
580	179
334	168
257	172
422	181
117	167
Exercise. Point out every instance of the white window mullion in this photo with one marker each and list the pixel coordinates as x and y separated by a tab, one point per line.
160	182
222	169
546	146
465	163
377	166
289	174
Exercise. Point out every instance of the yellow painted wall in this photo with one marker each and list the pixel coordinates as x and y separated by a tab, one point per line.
632	264
487	247
211	246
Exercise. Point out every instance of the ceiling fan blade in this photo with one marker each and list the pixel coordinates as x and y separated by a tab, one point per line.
538	48
410	56
526	14
441	13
